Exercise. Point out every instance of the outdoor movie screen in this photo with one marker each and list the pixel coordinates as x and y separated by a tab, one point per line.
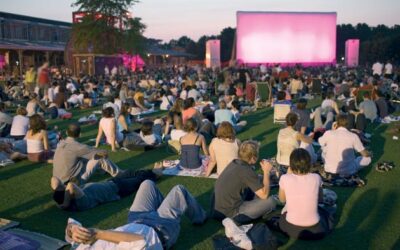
286	37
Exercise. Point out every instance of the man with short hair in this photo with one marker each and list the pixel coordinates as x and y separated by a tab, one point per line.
239	194
73	159
153	222
338	146
73	197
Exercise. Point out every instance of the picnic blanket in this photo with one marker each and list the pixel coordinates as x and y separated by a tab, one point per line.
172	167
91	119
150	111
12	238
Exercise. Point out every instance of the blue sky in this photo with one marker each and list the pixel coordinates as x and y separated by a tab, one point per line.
167	19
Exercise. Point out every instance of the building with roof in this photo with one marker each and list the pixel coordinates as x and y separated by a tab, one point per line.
26	41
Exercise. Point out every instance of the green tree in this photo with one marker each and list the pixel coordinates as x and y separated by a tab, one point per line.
107	27
227	37
135	42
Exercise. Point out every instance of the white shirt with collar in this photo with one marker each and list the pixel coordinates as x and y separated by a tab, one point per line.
338	148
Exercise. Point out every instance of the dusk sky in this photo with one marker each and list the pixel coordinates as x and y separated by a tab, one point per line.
168	19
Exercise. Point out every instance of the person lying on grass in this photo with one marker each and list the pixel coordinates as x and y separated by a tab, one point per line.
74	198
153	222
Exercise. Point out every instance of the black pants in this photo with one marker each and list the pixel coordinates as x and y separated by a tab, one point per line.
130	180
316	232
359	122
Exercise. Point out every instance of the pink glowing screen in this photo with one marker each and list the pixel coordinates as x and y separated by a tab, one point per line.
352	52
286	37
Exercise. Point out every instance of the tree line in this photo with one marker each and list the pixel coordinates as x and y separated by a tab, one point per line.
376	43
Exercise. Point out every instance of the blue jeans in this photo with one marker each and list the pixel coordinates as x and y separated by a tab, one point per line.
254	209
163	215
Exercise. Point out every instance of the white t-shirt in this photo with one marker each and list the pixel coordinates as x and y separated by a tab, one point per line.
388	68
301	193
328	105
71	87
167	102
184	95
31	108
151	240
51	94
19	125
149	139
338	148
224	152
105	124
377	68
176	134
75	99
286	143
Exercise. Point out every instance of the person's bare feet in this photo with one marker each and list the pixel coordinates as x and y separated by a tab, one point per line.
158	168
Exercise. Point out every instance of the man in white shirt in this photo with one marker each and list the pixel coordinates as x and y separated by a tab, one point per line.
338	146
194	94
153	222
295	86
377	68
70	87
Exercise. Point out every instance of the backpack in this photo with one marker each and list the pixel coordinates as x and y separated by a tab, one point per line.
260	235
262	238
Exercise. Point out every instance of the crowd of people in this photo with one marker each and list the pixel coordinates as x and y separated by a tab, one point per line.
204	111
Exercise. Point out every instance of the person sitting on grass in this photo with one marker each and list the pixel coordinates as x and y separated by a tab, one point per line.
367	114
239	194
124	120
223	114
37	140
148	134
301	217
75	160
20	124
281	99
303	113
108	126
153	222
338	146
289	139
73	197
191	143
223	149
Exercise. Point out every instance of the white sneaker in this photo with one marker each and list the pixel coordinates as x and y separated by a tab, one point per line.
237	235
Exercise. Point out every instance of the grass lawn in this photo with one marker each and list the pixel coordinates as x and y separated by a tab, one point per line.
368	217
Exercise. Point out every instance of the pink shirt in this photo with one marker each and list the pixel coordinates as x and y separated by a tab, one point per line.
188	113
301	198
